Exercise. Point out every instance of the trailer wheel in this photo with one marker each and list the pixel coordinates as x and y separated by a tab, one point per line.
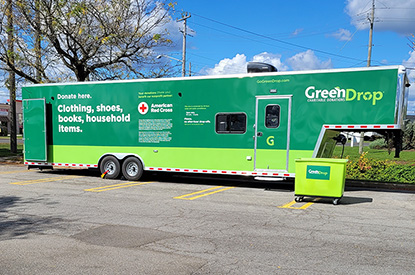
132	168
111	165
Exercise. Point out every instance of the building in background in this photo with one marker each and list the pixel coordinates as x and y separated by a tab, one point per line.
5	118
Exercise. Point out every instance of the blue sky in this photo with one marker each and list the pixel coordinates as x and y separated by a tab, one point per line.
296	34
319	33
293	35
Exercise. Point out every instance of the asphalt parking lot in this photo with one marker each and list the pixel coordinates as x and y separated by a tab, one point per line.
74	222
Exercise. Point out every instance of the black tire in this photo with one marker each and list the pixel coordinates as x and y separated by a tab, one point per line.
299	199
112	165
132	168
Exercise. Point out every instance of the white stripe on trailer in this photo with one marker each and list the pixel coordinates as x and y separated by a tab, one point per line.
359	127
222	172
62	164
203	171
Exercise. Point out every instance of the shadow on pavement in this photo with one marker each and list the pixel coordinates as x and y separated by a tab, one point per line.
16	225
241	181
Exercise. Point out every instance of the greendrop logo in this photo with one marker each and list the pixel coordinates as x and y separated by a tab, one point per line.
338	94
318	172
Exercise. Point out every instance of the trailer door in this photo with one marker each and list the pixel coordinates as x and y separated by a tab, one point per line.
34	126
272	132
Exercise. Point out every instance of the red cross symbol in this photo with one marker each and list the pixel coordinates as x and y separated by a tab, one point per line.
143	108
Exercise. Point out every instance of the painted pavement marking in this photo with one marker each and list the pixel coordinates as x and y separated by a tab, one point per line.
290	205
27	182
203	193
115	186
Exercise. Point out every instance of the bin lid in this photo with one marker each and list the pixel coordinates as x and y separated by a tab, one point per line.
327	160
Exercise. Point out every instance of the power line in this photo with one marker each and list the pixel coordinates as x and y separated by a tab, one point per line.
278	40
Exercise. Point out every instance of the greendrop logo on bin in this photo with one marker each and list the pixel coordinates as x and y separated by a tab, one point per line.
318	172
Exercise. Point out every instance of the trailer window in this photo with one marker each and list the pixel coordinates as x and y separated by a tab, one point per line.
272	116
231	123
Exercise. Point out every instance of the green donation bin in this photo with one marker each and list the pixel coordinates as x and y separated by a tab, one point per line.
319	177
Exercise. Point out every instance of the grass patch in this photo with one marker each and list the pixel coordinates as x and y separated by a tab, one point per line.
19	137
5	150
406	157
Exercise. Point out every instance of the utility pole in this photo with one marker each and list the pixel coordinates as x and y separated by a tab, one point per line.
371	21
369	57
190	69
184	18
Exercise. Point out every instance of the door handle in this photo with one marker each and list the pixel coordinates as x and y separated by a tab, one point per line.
259	134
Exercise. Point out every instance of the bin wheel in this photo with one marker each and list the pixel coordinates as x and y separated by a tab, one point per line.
299	198
336	201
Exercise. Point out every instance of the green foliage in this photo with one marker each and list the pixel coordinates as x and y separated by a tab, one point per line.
378	144
366	168
409	136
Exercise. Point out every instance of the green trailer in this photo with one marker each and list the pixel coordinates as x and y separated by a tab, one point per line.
251	124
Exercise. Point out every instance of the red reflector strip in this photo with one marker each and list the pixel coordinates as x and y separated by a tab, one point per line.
360	126
60	164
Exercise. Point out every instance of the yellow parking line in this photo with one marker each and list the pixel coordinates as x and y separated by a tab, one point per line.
203	193
13	172
115	186
27	182
290	204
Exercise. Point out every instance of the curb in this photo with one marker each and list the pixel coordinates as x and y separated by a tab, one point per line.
11	160
374	185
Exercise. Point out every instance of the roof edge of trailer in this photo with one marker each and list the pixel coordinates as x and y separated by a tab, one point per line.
400	69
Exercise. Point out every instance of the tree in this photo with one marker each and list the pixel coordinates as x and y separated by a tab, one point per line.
12	79
87	39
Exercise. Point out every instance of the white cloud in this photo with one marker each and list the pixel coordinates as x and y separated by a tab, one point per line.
308	61
342	35
410	63
390	15
270	58
411	60
237	65
297	32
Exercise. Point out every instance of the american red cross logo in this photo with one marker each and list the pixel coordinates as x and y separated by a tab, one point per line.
143	108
